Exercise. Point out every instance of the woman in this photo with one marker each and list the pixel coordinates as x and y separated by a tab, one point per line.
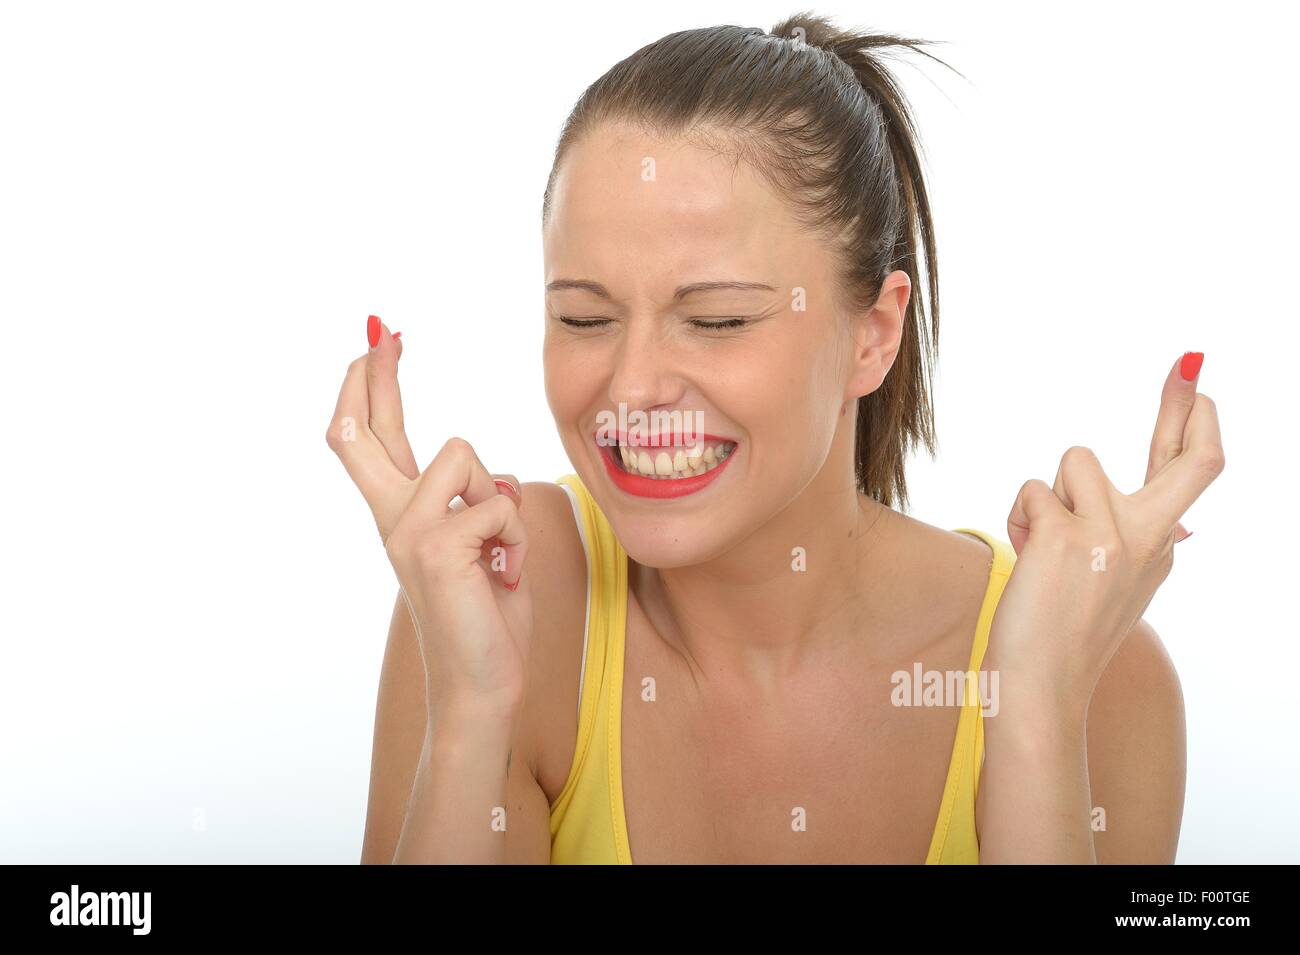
723	643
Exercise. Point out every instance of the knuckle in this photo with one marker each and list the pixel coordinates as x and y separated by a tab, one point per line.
456	449
1077	456
457	445
341	433
1210	461
1034	488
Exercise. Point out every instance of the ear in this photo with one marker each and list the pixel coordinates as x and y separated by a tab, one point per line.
877	334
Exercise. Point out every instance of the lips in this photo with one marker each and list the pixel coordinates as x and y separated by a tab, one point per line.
663	468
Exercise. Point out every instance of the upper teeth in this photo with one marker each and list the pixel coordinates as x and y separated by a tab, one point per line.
667	464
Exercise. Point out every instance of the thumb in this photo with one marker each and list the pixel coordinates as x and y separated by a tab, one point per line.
1034	502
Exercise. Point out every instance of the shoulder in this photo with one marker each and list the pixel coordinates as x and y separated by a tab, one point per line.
938	547
556	567
1140	672
1136	738
944	556
552	530
938	580
556	563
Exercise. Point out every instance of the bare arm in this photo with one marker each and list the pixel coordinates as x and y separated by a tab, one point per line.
406	771
1033	797
1137	754
400	725
442	796
1046	771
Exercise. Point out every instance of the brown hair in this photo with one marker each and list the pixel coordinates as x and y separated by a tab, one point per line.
815	112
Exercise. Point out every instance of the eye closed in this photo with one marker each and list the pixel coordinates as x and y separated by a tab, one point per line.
583	322
720	324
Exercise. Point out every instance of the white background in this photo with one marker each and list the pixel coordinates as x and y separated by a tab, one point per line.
200	204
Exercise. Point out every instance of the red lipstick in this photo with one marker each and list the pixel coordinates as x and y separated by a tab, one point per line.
640	486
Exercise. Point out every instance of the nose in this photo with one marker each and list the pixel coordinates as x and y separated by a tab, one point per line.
645	375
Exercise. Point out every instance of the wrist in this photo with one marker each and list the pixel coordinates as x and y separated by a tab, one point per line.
471	707
478	724
1043	676
1031	702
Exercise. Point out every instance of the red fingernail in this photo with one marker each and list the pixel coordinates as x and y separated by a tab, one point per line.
1191	366
1189	534
396	335
515	585
372	330
507	485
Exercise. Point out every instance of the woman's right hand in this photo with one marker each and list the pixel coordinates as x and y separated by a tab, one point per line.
456	562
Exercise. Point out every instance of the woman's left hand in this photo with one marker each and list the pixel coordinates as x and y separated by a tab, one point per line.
1089	558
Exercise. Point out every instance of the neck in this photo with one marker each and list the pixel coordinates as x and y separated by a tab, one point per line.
755	613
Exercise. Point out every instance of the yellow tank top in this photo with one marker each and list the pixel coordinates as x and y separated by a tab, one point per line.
587	821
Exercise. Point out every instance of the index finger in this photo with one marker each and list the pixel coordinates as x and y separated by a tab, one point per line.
384	488
1171	491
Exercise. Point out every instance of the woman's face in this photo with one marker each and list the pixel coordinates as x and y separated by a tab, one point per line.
639	220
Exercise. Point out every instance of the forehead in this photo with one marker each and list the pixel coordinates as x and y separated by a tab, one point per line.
626	199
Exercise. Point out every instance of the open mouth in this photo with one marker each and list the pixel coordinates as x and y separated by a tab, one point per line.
671	462
667	467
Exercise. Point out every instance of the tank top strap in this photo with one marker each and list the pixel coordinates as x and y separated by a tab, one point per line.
1004	559
601	665
606	559
955	839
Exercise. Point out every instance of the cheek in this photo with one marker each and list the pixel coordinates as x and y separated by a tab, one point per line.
557	367
572	377
804	391
809	364
558	384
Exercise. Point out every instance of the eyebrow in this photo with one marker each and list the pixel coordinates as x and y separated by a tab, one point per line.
599	290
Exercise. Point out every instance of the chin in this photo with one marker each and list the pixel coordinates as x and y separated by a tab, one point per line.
665	499
667	544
